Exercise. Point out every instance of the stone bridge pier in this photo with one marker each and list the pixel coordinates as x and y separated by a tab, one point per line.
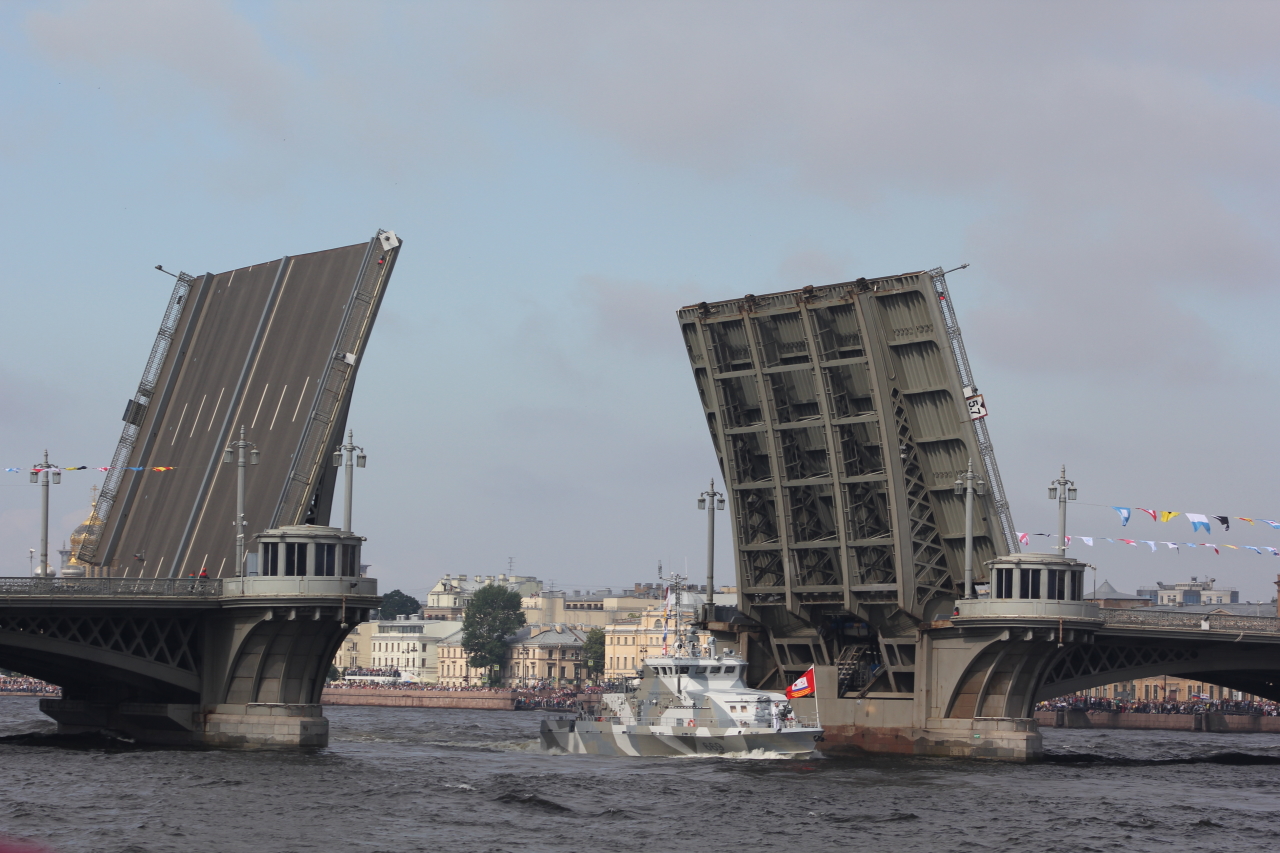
229	662
977	676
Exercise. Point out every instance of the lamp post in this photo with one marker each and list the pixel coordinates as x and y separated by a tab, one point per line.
40	473
969	485
347	450
711	500
1062	490
235	453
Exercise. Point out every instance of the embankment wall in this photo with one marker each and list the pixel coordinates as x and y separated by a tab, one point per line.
487	700
1174	722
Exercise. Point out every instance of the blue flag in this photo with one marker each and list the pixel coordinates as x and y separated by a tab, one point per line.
1124	515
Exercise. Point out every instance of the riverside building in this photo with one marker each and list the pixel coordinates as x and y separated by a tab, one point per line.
536	654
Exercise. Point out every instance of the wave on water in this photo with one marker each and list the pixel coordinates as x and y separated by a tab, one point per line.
1233	759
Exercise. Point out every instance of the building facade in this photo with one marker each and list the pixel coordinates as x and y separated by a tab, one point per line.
537	656
1195	592
629	641
448	599
405	644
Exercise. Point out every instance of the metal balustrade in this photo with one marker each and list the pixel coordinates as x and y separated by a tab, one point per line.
1142	618
112	587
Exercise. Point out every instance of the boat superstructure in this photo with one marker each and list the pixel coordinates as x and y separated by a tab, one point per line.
690	701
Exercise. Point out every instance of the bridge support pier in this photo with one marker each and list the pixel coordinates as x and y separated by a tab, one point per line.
266	725
257	725
997	740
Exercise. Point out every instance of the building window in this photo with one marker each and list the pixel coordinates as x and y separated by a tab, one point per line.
350	557
295	559
1030	583
326	565
270	559
1004	583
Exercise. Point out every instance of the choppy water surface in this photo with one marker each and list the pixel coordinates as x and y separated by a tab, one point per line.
405	779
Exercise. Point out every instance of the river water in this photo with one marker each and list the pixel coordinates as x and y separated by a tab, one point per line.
450	781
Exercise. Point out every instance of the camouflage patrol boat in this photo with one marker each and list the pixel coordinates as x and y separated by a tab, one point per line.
686	706
693	702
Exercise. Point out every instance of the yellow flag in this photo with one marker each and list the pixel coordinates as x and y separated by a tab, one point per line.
1166	515
1232	547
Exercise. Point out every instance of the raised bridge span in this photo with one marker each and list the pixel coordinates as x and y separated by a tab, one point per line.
842	417
273	348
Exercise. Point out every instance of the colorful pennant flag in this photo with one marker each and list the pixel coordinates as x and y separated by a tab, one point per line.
1165	515
1224	520
1198	522
1150	512
1124	515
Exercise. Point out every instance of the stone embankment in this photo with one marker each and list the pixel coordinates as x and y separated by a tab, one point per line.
1204	722
487	700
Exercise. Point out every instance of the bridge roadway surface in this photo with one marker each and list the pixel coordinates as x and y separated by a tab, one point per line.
251	348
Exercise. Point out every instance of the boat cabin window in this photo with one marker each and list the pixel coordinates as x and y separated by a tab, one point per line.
715	670
700	670
729	670
684	670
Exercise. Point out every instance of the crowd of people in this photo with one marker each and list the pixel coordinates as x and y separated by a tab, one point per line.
538	694
1195	705
22	684
384	672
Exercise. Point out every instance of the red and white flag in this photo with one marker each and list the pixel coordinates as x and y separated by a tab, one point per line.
804	686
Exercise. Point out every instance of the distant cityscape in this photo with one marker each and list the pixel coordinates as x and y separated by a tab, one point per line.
426	646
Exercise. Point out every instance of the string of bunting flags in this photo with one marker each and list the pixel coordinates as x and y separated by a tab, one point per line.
1198	521
89	468
1024	538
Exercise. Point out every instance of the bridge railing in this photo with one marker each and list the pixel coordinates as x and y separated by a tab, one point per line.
1142	618
112	587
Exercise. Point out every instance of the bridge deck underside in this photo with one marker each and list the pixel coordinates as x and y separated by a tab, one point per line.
115	654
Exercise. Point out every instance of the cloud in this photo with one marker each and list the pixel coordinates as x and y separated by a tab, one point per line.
1109	153
183	56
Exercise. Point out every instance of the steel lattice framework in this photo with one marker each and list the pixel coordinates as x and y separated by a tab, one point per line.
839	417
167	640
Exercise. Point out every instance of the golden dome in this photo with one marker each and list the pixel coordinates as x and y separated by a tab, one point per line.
90	526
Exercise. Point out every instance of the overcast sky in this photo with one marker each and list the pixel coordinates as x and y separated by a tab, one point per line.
566	175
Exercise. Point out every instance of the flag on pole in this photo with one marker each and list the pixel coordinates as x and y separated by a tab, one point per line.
803	686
